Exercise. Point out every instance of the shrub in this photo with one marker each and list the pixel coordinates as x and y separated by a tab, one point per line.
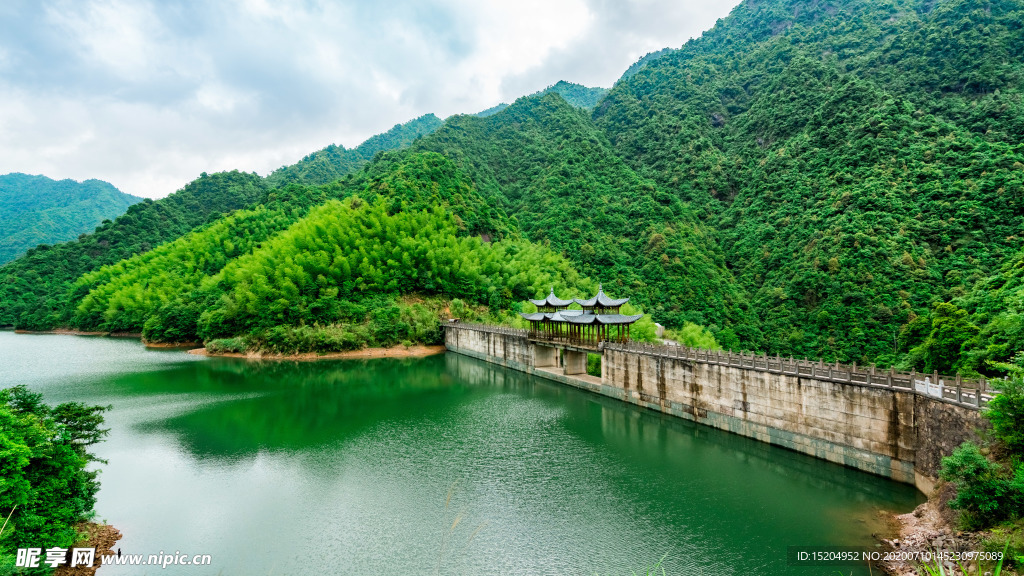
173	322
594	364
459	309
227	345
319	339
951	332
694	335
986	492
388	327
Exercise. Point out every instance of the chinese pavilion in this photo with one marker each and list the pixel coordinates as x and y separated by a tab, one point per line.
598	321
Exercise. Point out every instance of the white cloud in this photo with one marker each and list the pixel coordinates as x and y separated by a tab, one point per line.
120	37
148	94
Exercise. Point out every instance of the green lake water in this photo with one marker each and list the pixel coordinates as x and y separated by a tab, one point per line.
441	465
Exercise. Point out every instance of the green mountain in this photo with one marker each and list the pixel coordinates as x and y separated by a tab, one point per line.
35	292
492	110
38	210
335	162
311	267
861	161
576	95
545	163
33	288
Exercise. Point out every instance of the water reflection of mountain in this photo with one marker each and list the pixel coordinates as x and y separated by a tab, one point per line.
290	405
241	408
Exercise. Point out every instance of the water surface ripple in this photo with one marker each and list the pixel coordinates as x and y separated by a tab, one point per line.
442	465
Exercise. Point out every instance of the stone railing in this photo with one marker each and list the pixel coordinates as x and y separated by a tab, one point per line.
968	392
488	328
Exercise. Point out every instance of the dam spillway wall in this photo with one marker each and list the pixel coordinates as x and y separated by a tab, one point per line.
876	422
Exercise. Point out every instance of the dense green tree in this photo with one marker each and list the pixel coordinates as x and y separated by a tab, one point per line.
319	270
543	162
159	292
47	486
575	94
951	332
859	160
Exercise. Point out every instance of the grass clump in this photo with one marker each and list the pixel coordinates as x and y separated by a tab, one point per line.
227	345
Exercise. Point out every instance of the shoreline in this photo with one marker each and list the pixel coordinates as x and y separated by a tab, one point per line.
417	351
188	345
102	537
73	332
197	349
931	526
64	331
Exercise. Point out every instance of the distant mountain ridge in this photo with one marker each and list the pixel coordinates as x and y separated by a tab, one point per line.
644	61
576	95
39	210
334	162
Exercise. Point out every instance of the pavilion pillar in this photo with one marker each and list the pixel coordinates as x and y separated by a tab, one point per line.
544	356
575	362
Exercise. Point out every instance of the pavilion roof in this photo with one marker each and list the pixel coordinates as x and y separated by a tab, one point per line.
560	316
605	318
602	300
581	317
551	300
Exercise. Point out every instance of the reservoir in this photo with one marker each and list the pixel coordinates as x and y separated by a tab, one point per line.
438	465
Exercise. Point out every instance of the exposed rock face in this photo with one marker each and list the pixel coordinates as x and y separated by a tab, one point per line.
941	427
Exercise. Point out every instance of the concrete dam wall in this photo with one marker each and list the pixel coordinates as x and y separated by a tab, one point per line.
873	421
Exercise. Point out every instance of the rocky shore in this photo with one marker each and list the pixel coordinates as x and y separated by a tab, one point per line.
103	538
932	527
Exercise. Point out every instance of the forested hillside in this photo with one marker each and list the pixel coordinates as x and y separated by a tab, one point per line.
839	179
39	210
642	62
545	162
287	276
860	160
157	292
33	287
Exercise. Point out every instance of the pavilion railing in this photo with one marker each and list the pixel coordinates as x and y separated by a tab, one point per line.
542	335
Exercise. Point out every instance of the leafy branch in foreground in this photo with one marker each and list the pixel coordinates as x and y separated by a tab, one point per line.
47	486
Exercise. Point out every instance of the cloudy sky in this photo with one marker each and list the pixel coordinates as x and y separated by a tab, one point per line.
148	94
